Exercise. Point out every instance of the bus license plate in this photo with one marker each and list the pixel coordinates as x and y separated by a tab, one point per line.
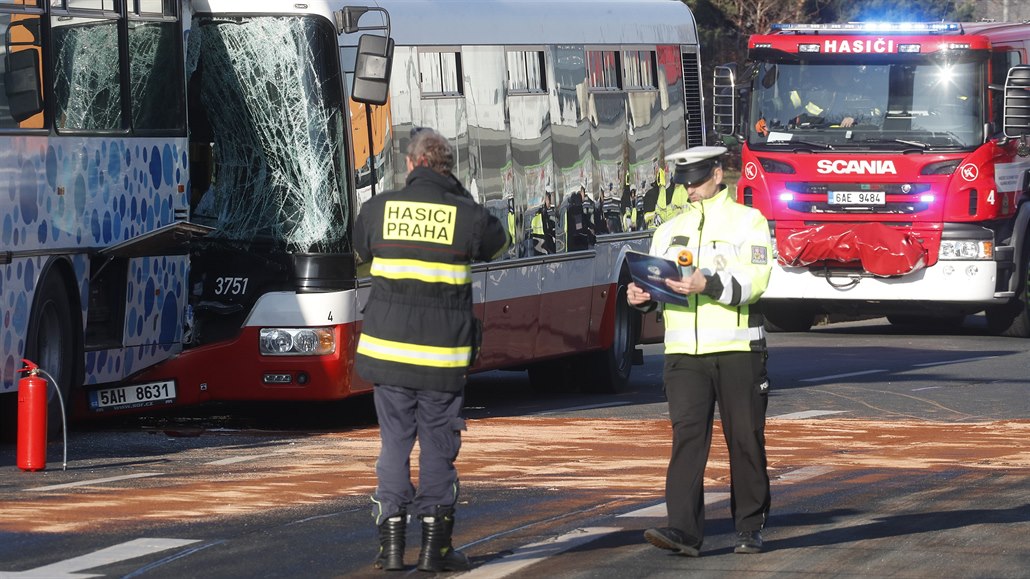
136	396
857	198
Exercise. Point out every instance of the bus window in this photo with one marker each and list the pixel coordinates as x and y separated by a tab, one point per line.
87	83
157	91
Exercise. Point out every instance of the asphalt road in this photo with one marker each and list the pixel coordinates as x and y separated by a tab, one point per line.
893	452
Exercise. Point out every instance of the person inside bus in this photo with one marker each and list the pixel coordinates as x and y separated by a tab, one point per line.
421	241
715	353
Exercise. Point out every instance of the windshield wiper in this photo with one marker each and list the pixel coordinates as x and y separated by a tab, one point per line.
915	144
804	143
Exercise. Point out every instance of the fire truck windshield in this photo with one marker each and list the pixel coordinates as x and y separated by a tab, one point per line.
928	105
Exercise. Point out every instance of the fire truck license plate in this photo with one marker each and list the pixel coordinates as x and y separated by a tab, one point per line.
857	198
135	396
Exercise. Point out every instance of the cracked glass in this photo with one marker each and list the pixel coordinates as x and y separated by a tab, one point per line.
266	131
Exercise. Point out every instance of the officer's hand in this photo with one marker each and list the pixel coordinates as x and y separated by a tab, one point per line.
847	122
695	283
636	296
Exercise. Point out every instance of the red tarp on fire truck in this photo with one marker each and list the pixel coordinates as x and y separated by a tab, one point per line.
881	250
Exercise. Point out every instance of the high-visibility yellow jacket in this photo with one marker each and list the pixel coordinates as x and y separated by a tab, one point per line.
419	330
731	245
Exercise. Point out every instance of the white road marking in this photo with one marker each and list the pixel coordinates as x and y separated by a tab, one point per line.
848	375
801	474
793	476
95	481
661	511
959	361
129	550
534	553
806	414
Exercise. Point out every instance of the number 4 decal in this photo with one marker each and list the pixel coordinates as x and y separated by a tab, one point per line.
330	315
990	197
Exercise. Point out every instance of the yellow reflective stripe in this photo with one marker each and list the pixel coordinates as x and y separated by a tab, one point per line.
414	354
427	271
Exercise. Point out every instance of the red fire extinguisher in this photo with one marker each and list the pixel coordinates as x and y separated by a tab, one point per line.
32	415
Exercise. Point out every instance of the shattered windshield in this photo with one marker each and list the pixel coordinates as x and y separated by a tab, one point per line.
266	132
925	105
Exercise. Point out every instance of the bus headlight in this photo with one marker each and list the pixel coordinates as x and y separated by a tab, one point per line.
297	341
966	249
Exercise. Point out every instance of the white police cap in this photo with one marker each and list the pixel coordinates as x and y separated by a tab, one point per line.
694	166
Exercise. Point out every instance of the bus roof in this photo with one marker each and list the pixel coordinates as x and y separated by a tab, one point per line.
508	22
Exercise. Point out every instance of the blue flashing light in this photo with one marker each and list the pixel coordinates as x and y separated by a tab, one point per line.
870	28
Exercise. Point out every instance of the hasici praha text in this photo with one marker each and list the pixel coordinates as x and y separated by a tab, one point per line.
414	221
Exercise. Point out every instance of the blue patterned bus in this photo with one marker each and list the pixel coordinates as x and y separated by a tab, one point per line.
93	193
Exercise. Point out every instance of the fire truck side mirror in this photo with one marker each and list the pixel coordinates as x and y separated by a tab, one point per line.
725	115
1017	102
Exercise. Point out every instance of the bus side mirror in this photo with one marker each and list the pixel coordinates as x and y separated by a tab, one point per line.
22	84
1017	102
725	116
22	78
372	70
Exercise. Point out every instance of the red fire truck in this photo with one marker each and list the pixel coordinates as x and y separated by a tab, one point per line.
892	162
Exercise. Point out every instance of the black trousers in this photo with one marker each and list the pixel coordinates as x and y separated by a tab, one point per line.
434	418
738	383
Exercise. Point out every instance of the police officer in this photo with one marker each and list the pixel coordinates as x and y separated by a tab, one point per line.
418	338
715	353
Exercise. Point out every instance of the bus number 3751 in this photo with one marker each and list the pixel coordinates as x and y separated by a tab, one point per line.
231	286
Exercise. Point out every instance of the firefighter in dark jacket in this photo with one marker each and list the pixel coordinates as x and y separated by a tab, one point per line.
419	336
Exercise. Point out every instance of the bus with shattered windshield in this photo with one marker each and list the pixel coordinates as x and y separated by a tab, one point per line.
543	101
93	202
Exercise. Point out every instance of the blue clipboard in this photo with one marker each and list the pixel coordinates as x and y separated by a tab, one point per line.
650	272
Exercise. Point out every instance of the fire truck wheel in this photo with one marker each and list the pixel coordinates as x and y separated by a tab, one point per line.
787	318
1012	319
941	322
51	345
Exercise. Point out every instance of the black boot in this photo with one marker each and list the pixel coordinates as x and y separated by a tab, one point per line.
391	543
437	553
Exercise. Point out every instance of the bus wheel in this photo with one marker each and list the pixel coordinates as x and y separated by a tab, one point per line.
787	318
607	371
51	345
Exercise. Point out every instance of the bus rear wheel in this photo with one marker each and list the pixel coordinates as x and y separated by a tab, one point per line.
51	345
607	371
